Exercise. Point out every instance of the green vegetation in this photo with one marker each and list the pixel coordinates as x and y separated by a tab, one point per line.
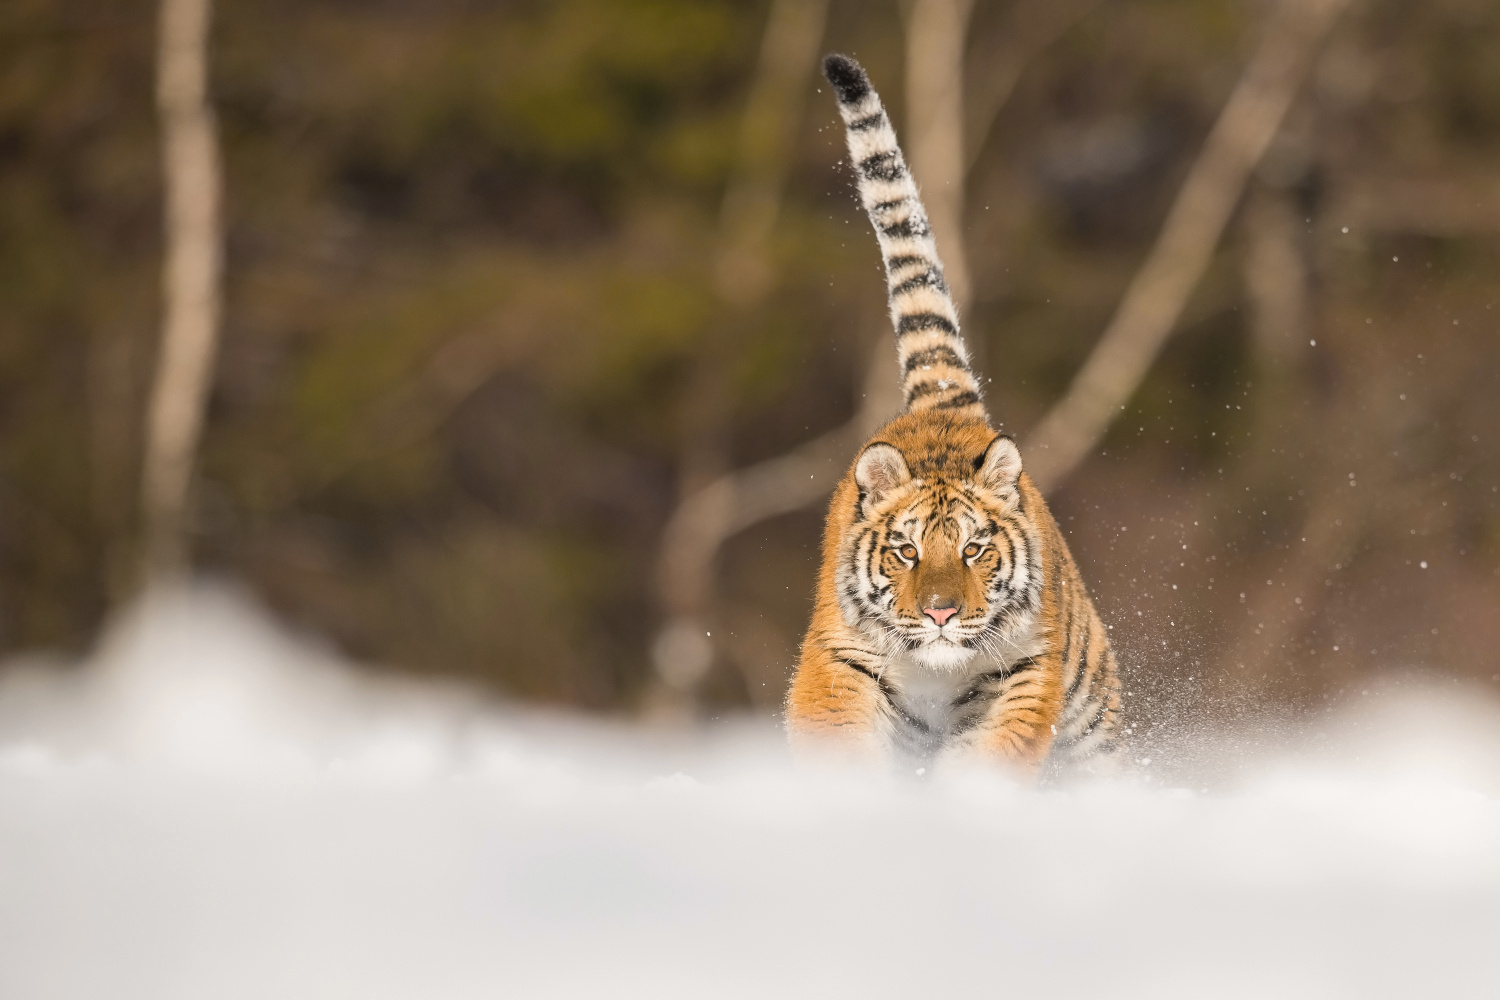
469	282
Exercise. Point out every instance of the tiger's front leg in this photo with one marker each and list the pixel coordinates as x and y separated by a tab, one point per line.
836	709
1018	728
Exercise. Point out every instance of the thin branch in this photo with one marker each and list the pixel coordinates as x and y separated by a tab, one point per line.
190	282
738	500
1160	289
1443	206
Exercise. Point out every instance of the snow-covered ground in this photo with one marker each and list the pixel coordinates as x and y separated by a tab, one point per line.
212	810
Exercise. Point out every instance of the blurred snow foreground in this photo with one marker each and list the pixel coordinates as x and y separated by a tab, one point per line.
212	809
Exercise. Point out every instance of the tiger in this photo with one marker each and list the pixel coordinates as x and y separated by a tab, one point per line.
950	626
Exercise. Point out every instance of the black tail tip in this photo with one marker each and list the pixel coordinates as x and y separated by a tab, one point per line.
848	78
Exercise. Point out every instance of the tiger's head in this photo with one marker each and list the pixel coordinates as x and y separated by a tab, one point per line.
942	562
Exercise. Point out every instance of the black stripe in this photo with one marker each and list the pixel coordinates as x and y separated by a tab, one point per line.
931	278
906	260
922	389
1010	550
868	122
1014	670
882	167
1094	722
1083	667
906	717
1033	565
939	355
1067	649
1022	546
1067	603
890	696
925	321
886	206
967	398
912	225
970	696
1019	667
855	665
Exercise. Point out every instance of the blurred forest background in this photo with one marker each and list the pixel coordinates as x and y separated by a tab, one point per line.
506	282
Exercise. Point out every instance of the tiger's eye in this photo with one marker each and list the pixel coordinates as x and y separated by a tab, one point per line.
908	552
971	550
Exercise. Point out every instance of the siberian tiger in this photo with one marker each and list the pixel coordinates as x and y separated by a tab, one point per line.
950	622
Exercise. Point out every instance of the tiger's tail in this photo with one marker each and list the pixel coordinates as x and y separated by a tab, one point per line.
935	372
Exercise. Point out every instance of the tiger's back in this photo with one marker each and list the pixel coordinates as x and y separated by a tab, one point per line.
950	621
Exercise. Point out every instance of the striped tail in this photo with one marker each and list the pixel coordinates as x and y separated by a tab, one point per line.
935	371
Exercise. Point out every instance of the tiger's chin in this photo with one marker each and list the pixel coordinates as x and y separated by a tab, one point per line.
942	654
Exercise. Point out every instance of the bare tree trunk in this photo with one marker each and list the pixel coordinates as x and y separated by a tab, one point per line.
1277	283
935	34
190	283
1160	289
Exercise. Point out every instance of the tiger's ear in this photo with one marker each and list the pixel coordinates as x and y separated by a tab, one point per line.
999	467
880	470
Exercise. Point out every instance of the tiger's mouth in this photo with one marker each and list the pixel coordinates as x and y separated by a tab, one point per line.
942	651
955	640
953	631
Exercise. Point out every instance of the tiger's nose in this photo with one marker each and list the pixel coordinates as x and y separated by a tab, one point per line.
940	615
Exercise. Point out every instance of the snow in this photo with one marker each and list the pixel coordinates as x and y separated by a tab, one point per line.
211	808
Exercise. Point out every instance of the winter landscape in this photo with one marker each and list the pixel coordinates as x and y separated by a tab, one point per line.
418	420
212	808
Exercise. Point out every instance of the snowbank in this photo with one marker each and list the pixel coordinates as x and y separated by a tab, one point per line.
211	809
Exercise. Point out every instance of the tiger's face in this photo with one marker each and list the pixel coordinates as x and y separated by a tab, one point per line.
941	569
